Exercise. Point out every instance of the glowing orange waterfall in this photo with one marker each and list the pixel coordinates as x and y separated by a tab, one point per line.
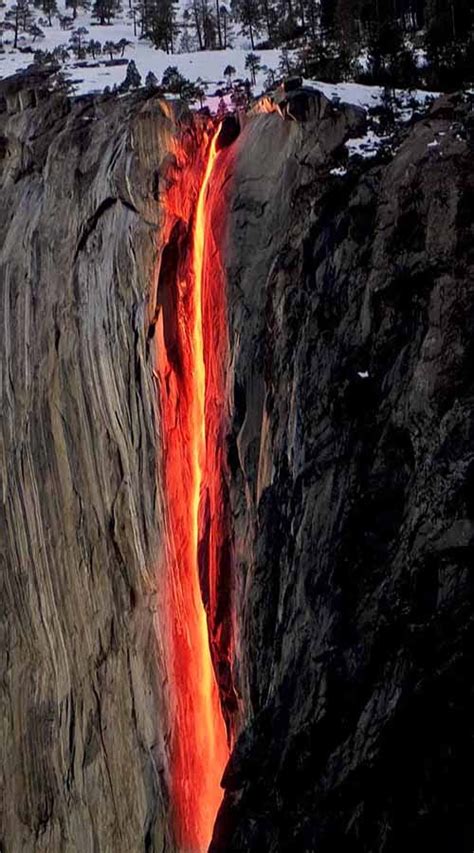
199	748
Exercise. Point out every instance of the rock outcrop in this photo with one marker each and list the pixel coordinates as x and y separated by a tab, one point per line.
351	316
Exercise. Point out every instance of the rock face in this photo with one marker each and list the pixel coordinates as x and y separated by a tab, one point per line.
82	704
351	480
352	317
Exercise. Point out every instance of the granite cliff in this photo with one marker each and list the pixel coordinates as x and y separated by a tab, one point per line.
350	317
351	314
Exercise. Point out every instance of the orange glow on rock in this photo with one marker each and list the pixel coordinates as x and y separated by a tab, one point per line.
199	748
266	104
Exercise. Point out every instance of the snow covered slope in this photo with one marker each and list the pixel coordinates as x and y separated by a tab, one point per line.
207	65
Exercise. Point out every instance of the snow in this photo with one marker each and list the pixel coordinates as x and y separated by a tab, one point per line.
339	171
207	65
93	76
366	146
364	374
368	96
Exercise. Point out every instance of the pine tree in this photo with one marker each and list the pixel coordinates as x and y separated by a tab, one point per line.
286	66
248	12
270	80
240	97
122	45
208	24
36	32
226	25
134	15
18	18
200	91
269	16
77	41
94	48
187	43
158	22
220	43
151	80
193	17
66	22
201	17
385	43
221	109
172	81
312	9
133	78
105	10
76	4
253	64
111	48
229	72
49	9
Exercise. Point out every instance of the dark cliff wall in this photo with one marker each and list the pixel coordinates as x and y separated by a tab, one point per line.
83	759
352	318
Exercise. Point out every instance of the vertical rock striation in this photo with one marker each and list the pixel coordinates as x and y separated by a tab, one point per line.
82	689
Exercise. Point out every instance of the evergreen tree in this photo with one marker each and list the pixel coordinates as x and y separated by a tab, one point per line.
172	81
229	72
94	48
105	10
253	64
240	96
133	78
77	41
269	17
194	18
221	109
385	44
248	12
188	42
270	78
122	45
66	22
76	4
200	91
226	26
19	19
287	65
111	48
134	15
201	16
151	80
158	22
36	32
49	9
220	42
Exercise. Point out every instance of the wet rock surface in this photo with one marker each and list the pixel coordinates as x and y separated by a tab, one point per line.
351	315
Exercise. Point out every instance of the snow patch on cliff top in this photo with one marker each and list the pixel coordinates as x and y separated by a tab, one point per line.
371	96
